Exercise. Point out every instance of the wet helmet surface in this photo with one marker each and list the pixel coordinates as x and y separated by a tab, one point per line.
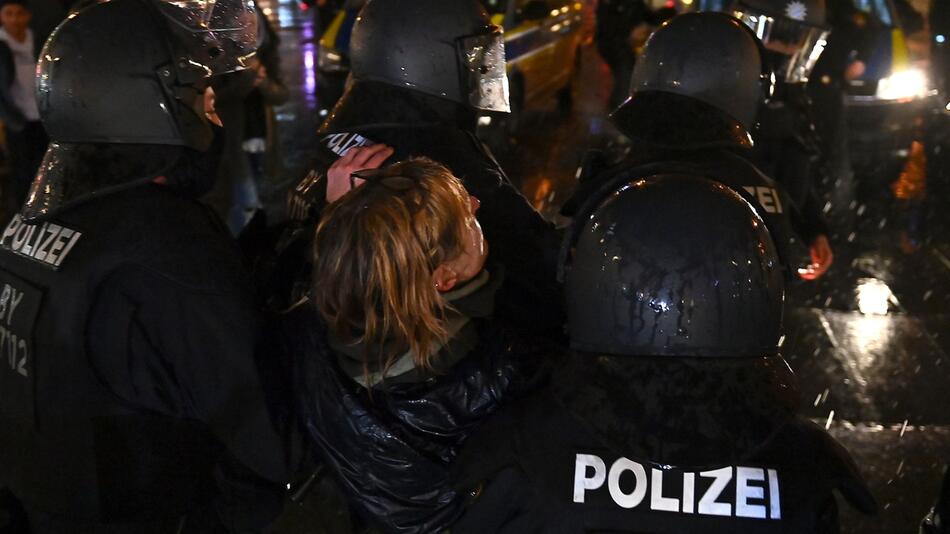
446	49
698	83
674	265
132	73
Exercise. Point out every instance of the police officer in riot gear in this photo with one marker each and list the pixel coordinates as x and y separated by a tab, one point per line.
130	396
694	96
421	73
788	149
675	411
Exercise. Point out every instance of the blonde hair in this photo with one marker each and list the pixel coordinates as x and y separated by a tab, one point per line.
375	251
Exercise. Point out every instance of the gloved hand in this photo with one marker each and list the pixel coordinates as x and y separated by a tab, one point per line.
821	259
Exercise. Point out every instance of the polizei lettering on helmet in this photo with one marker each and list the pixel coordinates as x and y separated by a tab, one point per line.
47	243
731	491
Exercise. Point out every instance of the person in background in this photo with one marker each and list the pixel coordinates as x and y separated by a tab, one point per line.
398	356
234	195
841	62
911	20
323	11
623	26
786	147
616	22
939	21
26	138
260	146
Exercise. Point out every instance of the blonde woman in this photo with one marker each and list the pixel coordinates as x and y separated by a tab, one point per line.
398	359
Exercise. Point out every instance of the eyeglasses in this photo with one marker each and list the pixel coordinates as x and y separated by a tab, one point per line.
378	177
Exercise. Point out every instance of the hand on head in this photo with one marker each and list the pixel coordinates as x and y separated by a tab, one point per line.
447	275
384	251
355	159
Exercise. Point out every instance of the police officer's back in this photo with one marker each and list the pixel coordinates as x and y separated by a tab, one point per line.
421	72
787	145
693	102
130	398
938	18
675	411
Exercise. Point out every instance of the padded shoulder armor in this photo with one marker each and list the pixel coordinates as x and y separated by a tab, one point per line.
152	228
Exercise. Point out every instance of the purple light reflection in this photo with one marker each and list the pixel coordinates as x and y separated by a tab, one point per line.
310	79
309	53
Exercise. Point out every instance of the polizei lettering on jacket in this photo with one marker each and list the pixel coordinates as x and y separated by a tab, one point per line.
767	197
47	243
341	143
732	491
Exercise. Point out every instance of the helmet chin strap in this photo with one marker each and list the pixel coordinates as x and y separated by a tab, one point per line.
194	122
195	172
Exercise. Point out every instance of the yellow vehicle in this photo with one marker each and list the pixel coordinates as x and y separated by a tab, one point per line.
542	41
542	38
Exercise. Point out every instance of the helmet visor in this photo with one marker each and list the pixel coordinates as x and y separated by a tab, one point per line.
798	45
483	70
226	33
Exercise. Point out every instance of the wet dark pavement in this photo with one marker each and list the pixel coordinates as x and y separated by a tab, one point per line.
869	341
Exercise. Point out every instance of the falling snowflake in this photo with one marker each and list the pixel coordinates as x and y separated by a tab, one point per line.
796	10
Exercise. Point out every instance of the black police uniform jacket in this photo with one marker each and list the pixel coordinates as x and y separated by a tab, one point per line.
520	239
392	448
637	461
129	390
788	148
791	231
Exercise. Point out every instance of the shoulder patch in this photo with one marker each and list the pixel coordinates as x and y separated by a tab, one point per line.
19	305
46	243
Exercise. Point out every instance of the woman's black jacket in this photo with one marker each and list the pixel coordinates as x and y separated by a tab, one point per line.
391	449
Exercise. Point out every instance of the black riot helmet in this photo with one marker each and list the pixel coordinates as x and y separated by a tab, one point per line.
674	303
448	50
673	265
698	83
793	31
132	73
